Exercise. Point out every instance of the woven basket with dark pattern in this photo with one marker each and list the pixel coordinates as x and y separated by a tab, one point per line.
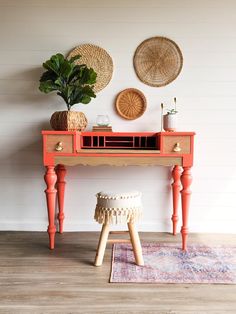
68	121
158	61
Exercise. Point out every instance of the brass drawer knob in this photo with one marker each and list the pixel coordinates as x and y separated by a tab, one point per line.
59	147
177	148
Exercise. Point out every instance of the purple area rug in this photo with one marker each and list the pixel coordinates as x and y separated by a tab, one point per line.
167	263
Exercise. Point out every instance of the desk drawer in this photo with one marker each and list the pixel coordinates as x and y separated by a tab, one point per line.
59	143
177	144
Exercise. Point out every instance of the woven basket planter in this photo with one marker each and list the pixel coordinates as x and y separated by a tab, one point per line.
68	121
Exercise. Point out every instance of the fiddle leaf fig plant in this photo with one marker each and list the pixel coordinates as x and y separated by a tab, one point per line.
73	82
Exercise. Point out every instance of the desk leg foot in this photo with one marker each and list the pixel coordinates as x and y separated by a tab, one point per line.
50	179
61	173
186	180
176	187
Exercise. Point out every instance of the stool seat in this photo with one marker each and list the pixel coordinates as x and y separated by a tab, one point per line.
116	208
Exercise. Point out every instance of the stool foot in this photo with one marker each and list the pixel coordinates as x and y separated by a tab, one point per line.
134	237
102	245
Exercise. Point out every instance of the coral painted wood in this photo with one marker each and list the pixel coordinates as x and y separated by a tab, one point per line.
50	179
61	173
176	187
186	180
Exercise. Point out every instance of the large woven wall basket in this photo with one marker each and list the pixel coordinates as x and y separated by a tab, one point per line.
97	58
158	61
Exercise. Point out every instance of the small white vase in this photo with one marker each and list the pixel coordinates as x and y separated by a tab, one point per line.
169	122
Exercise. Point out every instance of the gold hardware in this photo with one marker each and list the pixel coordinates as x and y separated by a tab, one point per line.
177	148
59	147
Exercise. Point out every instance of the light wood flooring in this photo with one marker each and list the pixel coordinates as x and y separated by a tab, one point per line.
34	279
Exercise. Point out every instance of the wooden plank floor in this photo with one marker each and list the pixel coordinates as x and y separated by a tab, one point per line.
34	279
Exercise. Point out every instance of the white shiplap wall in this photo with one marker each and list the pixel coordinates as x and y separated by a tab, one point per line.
32	30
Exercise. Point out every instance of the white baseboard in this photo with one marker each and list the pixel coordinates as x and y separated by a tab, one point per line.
227	226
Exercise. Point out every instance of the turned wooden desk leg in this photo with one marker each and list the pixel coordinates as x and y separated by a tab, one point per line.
61	173
50	179
176	187
186	180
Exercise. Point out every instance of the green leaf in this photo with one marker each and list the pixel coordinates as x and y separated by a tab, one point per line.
85	99
76	95
66	69
88	76
89	91
47	87
69	91
48	75
92	76
58	60
59	82
49	65
54	63
85	76
73	59
76	74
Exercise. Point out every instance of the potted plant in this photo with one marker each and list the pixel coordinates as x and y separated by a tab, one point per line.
72	82
169	119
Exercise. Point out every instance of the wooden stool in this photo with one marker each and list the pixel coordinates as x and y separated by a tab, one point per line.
114	208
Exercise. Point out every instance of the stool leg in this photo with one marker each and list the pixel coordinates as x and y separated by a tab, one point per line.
134	237
102	245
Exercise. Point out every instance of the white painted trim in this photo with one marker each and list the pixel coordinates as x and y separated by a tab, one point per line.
69	226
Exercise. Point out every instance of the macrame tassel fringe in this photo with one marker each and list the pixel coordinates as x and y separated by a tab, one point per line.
117	215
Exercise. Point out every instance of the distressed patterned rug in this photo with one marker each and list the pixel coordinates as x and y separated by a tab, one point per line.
167	263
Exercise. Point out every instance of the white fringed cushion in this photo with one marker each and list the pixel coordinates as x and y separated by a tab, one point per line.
114	208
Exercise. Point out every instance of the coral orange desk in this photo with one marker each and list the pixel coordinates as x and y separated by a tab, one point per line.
64	148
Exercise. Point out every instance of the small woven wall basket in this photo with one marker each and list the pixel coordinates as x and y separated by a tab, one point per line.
158	61
131	103
98	59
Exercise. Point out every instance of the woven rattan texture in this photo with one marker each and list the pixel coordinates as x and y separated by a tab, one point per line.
158	61
98	59
68	121
131	103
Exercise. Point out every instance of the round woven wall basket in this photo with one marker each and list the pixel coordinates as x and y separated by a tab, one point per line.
158	61
98	59
131	103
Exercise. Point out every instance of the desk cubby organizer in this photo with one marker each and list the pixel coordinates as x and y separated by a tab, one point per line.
117	140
